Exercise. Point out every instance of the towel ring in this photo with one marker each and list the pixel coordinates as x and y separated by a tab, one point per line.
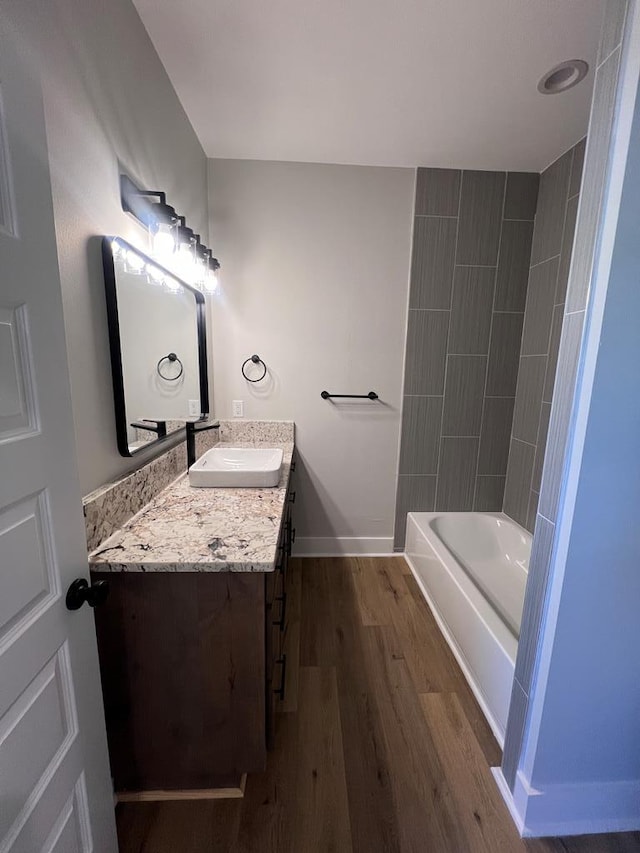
170	357
256	360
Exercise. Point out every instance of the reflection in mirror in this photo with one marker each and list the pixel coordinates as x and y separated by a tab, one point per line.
158	347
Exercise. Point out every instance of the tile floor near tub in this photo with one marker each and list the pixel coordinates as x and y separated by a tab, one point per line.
380	745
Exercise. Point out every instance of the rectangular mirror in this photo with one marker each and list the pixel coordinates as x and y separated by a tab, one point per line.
157	336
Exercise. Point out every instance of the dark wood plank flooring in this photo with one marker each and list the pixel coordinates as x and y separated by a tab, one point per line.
380	745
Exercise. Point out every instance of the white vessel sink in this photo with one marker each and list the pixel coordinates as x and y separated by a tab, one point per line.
234	467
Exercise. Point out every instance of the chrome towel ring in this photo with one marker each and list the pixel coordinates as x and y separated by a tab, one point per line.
172	358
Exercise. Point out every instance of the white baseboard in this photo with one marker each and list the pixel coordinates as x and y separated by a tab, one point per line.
507	796
577	809
343	546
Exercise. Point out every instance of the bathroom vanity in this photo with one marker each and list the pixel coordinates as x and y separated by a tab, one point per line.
191	639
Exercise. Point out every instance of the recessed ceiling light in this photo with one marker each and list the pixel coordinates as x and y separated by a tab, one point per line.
563	76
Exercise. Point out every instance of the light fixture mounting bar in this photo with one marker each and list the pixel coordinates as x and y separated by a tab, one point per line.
136	200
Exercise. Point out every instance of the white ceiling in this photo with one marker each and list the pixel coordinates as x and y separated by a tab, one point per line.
448	83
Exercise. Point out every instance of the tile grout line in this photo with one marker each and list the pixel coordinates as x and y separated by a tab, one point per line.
418	475
433	216
545	261
477	435
486	372
609	55
522	441
446	359
477	266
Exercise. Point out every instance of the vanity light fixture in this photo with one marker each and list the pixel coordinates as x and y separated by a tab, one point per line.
172	241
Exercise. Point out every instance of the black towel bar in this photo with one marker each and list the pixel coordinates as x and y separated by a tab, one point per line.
370	396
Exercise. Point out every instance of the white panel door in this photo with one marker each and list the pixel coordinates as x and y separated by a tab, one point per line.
55	788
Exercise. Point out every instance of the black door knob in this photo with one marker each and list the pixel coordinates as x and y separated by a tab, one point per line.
80	591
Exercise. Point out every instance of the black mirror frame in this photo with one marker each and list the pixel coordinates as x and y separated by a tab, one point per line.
115	347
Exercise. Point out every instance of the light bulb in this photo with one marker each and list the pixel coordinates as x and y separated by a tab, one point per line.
211	278
211	281
185	262
163	225
164	243
199	271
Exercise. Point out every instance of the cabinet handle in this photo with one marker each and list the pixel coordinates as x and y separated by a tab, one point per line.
283	609
293	466
280	691
287	537
293	535
292	497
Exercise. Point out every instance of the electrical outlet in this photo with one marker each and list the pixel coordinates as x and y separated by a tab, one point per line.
194	407
238	408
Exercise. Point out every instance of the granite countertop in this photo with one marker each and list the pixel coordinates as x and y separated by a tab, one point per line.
186	529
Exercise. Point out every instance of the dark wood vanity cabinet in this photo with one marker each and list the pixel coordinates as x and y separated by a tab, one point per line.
192	668
276	586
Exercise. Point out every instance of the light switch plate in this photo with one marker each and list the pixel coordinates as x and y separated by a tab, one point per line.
238	408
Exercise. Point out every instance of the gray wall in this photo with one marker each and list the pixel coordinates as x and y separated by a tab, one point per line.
470	263
107	99
548	276
604	114
315	279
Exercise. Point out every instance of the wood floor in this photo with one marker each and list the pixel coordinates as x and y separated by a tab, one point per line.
380	746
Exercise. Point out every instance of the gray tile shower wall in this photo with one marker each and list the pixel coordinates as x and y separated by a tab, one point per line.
545	296
563	355
470	265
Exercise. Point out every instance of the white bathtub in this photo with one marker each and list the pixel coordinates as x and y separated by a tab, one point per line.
472	570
